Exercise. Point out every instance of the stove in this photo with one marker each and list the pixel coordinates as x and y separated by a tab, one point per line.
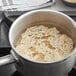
6	19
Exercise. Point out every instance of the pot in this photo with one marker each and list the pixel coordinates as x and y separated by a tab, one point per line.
28	67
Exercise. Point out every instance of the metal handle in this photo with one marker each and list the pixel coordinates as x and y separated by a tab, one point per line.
6	60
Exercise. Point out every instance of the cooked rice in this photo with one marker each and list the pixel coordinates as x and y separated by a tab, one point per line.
44	44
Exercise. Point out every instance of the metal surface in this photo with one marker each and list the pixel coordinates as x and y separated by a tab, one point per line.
6	70
11	17
60	6
6	60
26	7
37	68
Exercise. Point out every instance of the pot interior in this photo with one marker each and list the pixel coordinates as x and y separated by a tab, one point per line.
46	18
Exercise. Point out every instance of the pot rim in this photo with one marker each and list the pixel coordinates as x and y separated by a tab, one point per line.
35	11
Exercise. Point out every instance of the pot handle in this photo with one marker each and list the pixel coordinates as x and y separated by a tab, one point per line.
7	60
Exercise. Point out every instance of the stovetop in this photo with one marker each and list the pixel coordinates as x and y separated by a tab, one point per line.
6	19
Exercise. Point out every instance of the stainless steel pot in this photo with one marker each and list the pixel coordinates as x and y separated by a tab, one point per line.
32	68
